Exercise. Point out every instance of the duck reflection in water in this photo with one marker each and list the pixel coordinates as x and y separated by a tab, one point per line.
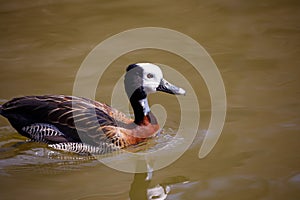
140	188
144	187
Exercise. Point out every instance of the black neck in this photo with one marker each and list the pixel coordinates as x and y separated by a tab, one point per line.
139	115
138	111
141	108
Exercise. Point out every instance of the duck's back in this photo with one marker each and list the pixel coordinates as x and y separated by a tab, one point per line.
62	116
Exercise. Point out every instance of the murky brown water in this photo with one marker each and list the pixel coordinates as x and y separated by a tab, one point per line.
255	44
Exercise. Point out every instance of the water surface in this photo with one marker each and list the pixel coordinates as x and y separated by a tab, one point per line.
255	44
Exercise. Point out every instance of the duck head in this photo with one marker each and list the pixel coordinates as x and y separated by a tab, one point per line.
142	79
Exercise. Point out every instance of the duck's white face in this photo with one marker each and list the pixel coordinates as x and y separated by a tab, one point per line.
148	77
142	79
152	76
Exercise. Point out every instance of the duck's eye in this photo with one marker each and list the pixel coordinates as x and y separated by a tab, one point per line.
149	75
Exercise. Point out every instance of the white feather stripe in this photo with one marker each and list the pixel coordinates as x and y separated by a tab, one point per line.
84	148
39	131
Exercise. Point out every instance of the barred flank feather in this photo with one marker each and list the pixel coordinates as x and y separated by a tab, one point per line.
41	132
85	148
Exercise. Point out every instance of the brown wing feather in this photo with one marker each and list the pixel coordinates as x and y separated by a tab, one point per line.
64	112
